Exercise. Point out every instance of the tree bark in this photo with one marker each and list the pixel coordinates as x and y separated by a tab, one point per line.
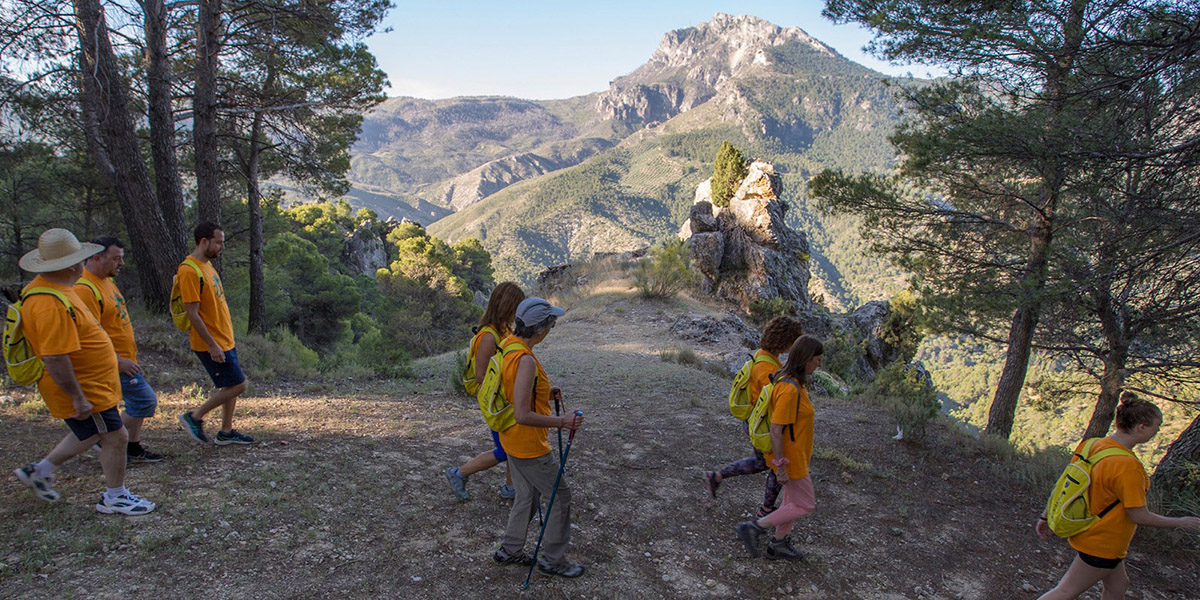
257	322
115	149
162	125
204	111
1179	467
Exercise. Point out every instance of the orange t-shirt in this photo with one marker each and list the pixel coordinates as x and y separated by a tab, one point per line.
213	309
525	441
51	332
760	373
112	312
1114	478
790	406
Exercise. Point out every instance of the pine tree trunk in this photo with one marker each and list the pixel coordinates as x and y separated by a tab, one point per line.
162	125
116	151
1180	461
1111	383
257	322
204	111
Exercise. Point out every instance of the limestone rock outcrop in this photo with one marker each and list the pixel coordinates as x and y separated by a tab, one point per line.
365	251
746	252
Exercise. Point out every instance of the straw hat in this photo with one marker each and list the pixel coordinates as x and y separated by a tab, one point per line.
57	249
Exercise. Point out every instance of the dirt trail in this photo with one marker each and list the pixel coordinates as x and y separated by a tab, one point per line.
345	497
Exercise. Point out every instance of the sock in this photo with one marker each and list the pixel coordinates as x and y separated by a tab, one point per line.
44	468
115	492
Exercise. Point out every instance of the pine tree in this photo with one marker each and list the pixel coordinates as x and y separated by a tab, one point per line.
729	170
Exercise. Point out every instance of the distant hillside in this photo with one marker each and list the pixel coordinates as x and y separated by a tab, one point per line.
542	183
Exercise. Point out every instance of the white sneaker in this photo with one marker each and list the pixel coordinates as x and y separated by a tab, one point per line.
126	504
40	486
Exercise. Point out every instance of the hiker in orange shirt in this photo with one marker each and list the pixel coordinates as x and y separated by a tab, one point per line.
211	336
80	383
791	452
1119	482
100	294
495	325
779	335
533	466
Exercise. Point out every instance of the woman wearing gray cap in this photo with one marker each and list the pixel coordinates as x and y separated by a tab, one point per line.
533	468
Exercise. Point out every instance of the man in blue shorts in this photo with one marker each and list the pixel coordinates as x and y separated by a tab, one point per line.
99	292
211	336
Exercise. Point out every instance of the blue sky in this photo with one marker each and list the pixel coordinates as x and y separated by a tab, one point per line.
545	50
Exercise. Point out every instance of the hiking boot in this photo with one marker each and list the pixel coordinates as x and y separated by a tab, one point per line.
569	570
710	477
142	456
751	535
126	504
40	486
194	427
458	483
782	550
764	511
232	437
508	492
502	557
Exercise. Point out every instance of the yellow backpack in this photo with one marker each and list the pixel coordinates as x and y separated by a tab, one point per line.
740	402
760	418
25	367
497	410
1068	511
468	376
178	311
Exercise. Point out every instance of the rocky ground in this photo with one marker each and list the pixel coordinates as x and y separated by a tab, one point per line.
344	496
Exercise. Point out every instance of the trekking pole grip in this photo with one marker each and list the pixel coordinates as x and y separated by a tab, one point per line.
578	413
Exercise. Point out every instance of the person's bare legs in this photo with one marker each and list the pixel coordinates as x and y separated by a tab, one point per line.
1081	576
112	457
225	397
482	462
134	425
68	448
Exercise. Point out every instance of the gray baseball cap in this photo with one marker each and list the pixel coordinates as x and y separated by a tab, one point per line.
533	310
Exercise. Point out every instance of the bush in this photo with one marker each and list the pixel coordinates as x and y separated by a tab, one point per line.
729	169
833	387
279	355
840	354
762	311
460	365
911	401
666	272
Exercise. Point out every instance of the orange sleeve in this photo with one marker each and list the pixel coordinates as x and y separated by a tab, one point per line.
189	283
785	398
49	326
1130	483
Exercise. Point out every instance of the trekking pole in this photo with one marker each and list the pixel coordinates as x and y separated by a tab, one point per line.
556	394
549	505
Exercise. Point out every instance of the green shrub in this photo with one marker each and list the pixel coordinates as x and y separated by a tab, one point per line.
830	383
384	356
666	272
460	365
907	398
729	169
688	357
279	355
762	311
840	354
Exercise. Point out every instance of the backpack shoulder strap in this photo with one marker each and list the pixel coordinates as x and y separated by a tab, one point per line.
50	292
95	291
766	358
196	267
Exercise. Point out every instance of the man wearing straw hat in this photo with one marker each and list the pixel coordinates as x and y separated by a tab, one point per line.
80	383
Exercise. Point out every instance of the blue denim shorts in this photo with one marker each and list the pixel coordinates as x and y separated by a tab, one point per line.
498	453
101	422
226	374
140	399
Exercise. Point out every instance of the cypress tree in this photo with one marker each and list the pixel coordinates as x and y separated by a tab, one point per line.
729	170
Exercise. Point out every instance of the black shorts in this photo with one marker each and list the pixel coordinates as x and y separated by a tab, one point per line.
101	422
226	374
1099	563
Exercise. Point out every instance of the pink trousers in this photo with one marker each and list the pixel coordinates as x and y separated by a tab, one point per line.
799	499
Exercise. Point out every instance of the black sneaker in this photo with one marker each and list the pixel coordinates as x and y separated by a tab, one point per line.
569	570
782	550
143	456
710	478
502	557
232	437
751	535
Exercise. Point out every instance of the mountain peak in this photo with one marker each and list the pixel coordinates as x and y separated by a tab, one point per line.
691	65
